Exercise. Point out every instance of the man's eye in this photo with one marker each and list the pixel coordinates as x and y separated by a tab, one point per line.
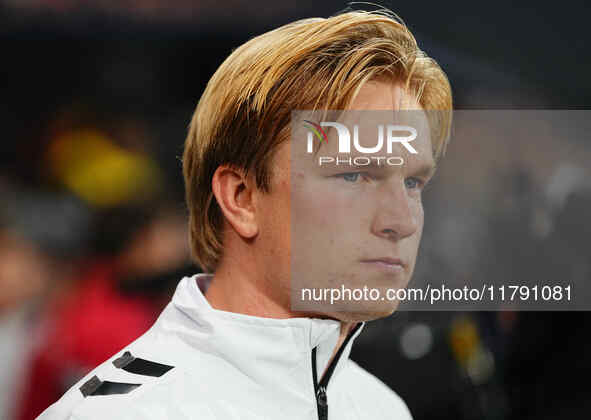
350	176
412	183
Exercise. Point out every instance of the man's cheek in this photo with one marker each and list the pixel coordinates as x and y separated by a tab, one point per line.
313	212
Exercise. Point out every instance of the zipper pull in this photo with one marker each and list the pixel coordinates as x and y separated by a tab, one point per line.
322	401
320	387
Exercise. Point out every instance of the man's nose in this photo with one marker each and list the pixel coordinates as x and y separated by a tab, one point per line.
396	216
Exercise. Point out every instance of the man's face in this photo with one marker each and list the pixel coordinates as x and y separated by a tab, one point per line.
351	227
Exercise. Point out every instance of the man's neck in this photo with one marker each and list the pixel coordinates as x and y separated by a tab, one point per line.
232	291
346	328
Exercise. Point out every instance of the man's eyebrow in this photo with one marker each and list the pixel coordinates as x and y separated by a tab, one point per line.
426	170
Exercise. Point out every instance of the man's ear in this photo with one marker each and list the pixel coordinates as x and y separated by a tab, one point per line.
235	194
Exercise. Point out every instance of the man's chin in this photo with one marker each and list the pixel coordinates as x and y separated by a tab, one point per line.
364	312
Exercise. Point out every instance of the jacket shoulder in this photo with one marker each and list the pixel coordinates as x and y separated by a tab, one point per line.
371	393
123	388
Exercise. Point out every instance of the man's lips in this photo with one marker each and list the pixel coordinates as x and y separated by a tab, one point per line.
386	263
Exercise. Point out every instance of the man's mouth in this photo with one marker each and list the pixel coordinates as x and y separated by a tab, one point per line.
393	265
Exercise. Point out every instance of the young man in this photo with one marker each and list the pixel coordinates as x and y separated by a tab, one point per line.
264	216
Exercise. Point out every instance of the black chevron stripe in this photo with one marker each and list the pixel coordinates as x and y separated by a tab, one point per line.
139	366
94	386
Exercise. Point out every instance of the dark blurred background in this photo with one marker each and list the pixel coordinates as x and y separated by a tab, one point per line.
96	100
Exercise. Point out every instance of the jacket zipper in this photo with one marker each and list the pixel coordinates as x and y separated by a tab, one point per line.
320	387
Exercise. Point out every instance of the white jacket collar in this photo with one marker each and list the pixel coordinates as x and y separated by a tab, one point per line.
266	349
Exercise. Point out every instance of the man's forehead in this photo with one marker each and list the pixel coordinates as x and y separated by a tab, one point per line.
382	94
364	132
422	163
378	120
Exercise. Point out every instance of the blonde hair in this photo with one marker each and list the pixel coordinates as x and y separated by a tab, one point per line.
244	112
